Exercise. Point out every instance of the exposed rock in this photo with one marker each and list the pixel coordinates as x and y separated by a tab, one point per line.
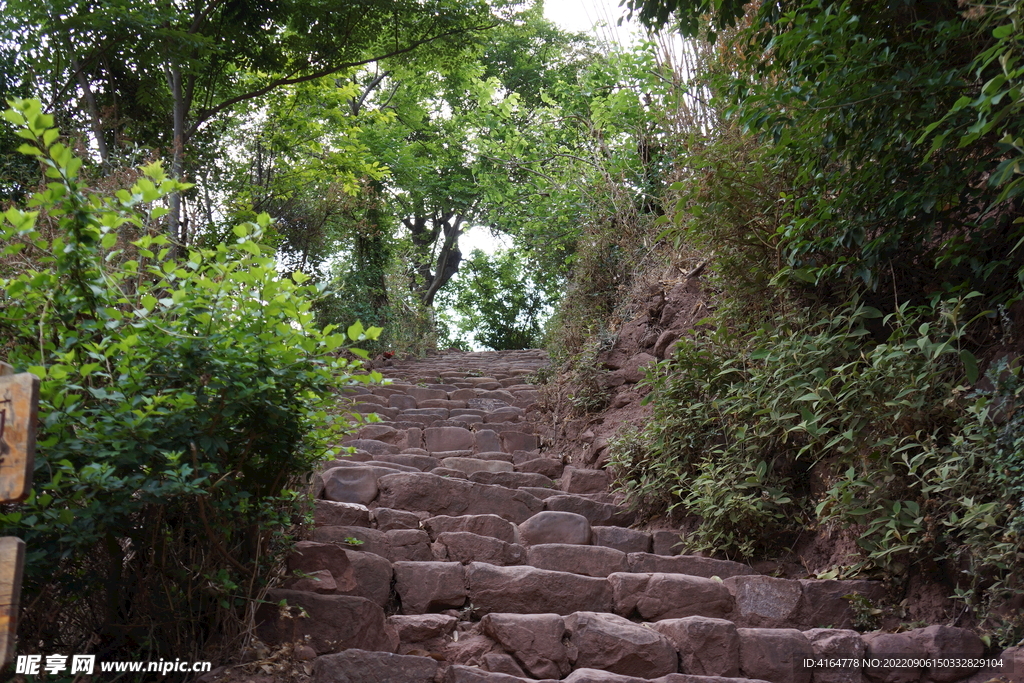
611	643
774	655
482	525
620	538
465	547
331	622
535	640
427	586
332	513
824	604
706	646
555	527
765	602
526	590
693	565
669	596
589	560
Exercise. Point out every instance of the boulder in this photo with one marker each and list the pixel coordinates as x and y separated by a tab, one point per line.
825	605
575	480
417	628
620	538
549	467
386	519
408	545
535	640
427	586
893	645
555	527
604	514
333	513
464	547
765	602
512	480
693	565
442	496
368	540
665	542
836	644
774	654
471	465
669	596
512	441
589	560
325	622
482	525
948	642
526	590
706	646
368	576
611	643
448	439
352	484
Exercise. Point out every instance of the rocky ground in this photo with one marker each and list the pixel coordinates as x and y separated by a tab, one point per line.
457	545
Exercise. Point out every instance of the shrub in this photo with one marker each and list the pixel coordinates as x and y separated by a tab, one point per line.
182	402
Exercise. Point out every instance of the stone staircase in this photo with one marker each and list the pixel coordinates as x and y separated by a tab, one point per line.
453	548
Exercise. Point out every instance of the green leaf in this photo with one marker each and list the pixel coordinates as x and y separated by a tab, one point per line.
970	365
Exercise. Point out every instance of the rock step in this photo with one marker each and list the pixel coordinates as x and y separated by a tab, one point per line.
456	550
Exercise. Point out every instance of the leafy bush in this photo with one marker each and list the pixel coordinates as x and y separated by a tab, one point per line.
182	403
904	451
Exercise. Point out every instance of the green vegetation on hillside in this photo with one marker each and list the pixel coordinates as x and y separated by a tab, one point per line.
851	172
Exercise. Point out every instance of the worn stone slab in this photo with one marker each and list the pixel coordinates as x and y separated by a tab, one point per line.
430	586
765	602
774	654
443	496
512	480
687	564
603	514
706	646
472	465
460	546
555	527
481	525
526	590
325	622
535	640
588	560
653	597
333	513
621	538
612	643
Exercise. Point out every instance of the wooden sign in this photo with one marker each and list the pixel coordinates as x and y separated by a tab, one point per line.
12	560
19	404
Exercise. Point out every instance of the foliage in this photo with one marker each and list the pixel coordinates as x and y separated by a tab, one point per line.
180	401
802	394
918	466
999	104
503	301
